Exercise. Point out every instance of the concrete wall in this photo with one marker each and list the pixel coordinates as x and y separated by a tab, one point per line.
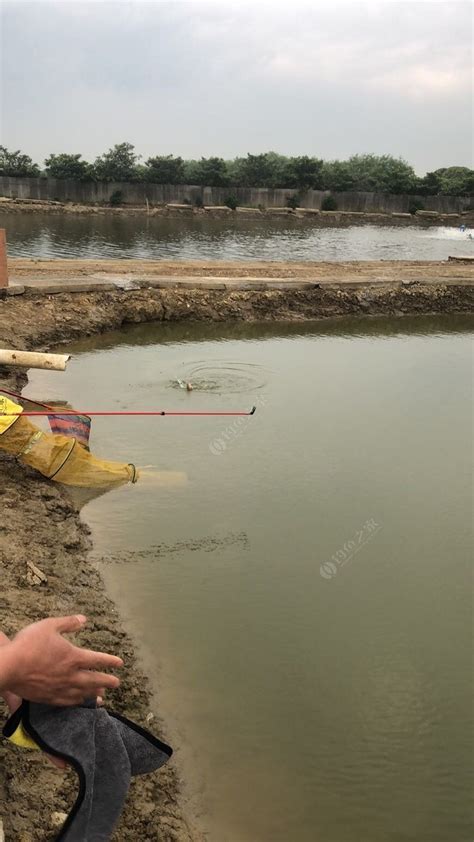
136	194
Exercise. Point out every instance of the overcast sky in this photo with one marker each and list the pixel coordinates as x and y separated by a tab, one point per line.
225	78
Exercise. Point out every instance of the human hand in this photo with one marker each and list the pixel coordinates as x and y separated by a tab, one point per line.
13	702
40	665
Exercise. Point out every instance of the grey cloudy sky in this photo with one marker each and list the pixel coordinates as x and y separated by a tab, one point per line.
194	77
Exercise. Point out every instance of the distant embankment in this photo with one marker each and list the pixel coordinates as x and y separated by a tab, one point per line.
90	192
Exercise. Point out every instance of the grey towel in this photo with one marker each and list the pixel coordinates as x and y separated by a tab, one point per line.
104	748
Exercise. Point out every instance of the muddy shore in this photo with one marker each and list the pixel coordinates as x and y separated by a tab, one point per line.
41	316
38	521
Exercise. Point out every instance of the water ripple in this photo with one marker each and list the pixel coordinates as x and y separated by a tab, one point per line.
222	377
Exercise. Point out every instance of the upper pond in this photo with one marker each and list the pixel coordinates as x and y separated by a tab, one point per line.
201	238
303	604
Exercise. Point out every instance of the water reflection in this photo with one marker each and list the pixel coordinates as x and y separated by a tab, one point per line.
200	237
160	333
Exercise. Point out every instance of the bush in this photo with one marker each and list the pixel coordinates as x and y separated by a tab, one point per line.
293	201
198	202
329	203
209	172
67	166
164	169
118	164
415	206
16	164
231	202
116	198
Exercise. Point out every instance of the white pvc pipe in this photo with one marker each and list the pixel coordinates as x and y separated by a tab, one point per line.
34	359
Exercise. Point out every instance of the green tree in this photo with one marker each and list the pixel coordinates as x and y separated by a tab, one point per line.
254	171
381	173
337	176
164	169
456	181
118	164
17	164
278	172
373	173
304	173
208	172
67	166
429	185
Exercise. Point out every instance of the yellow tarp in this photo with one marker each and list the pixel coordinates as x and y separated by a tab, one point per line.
7	406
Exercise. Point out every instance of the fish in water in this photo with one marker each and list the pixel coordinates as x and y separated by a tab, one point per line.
183	385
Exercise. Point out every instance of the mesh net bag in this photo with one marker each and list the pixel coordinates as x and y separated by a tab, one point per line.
57	457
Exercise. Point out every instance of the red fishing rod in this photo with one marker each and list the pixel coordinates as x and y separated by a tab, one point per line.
24	398
59	411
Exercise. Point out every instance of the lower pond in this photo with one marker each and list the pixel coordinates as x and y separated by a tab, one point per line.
302	603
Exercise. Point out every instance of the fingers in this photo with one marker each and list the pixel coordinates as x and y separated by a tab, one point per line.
66	625
13	701
84	689
57	761
87	659
94	683
69	698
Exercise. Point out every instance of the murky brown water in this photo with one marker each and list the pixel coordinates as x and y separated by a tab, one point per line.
304	603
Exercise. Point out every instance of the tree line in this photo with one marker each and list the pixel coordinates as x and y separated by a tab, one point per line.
372	173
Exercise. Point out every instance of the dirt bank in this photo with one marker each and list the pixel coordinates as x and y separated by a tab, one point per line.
36	319
37	521
173	210
27	270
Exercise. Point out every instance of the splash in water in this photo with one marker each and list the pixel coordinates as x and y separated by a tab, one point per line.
448	234
221	377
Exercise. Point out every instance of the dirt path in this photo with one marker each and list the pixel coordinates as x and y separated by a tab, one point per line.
26	270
